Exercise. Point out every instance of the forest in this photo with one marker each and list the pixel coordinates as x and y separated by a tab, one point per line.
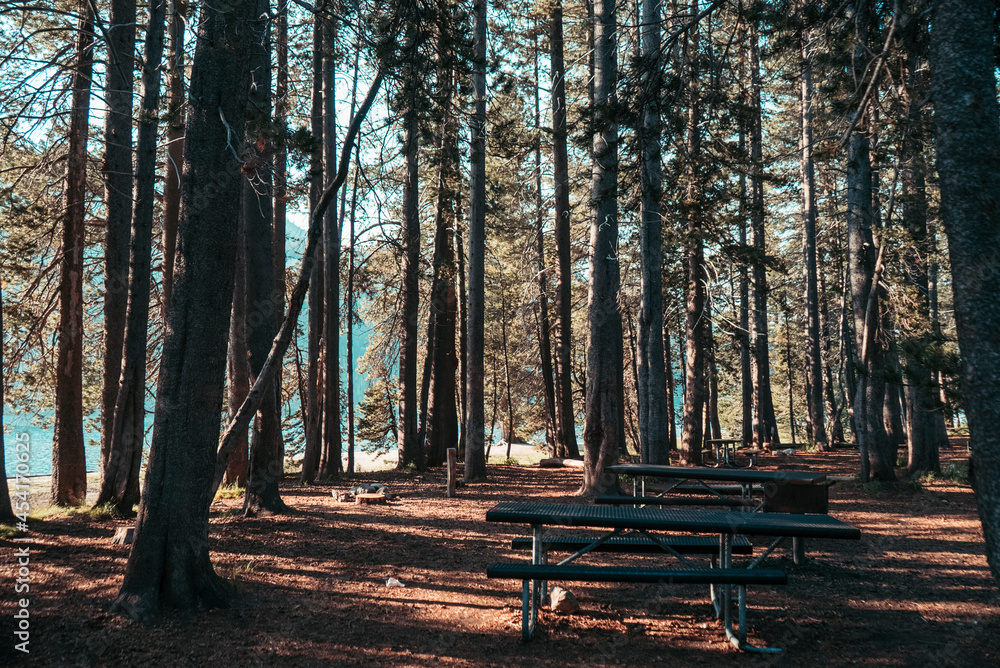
243	238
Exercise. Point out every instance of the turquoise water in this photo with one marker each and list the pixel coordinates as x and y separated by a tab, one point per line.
39	441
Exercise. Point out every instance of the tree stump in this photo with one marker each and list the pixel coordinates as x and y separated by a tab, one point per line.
123	536
369	499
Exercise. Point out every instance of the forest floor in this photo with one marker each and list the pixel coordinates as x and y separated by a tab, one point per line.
914	591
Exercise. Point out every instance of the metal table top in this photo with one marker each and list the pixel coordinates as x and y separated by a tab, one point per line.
714	474
694	521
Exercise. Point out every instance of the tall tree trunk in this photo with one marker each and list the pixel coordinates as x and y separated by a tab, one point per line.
410	451
865	270
117	168
604	430
350	280
714	426
968	140
442	412
566	445
6	511
120	477
330	461
267	452
280	184
314	386
765	428
668	367
552	415
834	429
176	111
746	368
791	379
238	364
169	562
694	358
924	419
463	334
651	388
69	468
814	358
474	428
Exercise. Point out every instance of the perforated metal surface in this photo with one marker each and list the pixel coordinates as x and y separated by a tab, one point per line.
721	474
662	519
526	571
682	544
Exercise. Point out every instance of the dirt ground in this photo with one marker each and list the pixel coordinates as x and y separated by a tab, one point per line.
914	591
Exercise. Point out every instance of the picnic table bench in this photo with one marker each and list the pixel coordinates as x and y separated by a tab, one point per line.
647	522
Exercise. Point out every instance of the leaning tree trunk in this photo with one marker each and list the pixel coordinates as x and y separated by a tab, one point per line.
474	427
566	445
604	430
267	455
117	168
120	477
169	563
651	389
69	467
968	143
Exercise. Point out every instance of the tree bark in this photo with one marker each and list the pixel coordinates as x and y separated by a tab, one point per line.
474	428
924	417
350	280
566	439
968	143
238	364
120	476
765	427
69	468
442	412
694	359
876	450
176	112
266	463
552	414
314	384
330	460
668	367
814	358
651	388
169	562
117	168
410	451
604	430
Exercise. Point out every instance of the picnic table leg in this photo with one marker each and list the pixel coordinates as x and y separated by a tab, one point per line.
538	587
798	550
739	639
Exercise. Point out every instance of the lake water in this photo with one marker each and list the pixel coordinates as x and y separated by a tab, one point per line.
40	453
